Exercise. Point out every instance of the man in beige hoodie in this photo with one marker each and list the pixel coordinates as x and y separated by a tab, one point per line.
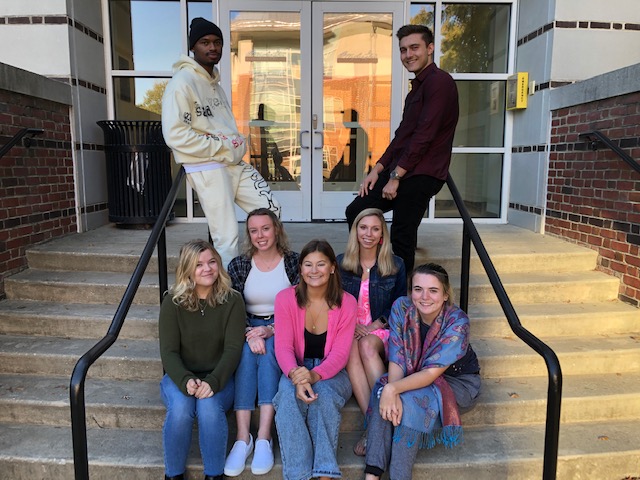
199	127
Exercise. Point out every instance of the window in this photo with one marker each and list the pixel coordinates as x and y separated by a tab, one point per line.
472	43
146	39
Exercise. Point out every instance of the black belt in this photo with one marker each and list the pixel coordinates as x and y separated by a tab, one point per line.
260	317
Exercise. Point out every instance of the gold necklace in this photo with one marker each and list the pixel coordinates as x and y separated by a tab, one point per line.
315	318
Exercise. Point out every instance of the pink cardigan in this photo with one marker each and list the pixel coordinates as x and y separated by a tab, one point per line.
289	337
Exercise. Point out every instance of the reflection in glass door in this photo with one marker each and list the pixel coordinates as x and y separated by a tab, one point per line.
311	90
352	98
266	77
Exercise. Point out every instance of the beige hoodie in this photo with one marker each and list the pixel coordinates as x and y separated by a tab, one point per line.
197	121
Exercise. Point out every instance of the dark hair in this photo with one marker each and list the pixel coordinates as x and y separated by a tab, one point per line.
437	271
282	242
334	292
406	30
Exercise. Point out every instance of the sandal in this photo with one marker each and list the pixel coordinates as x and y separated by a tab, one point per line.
360	448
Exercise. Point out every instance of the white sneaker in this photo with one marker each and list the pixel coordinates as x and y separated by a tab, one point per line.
262	457
237	458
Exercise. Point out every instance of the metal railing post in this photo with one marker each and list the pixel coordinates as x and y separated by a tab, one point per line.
465	269
163	280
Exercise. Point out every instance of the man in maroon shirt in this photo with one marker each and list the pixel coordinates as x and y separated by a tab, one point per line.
416	163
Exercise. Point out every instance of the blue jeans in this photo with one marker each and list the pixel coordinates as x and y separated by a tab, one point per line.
399	457
257	375
308	434
178	424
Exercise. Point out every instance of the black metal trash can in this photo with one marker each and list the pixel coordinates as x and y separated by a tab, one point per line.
138	170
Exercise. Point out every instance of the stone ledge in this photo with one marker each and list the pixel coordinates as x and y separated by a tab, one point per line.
21	81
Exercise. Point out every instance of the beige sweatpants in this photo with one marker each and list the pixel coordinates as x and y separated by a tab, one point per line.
218	190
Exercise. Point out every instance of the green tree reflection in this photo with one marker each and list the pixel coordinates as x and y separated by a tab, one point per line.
424	17
471	37
153	97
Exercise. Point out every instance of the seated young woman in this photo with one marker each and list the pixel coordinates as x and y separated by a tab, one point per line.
314	322
267	267
433	375
201	329
376	277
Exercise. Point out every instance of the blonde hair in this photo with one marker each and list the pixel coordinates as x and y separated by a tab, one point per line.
282	241
183	292
351	257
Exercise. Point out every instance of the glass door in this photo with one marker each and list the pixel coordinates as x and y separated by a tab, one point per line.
263	63
355	58
310	87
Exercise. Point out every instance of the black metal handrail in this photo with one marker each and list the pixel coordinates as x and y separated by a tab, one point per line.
554	391
76	387
18	136
596	137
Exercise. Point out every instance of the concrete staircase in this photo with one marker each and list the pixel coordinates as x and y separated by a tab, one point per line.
64	302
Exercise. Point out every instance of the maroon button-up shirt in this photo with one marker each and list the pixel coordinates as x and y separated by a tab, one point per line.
423	141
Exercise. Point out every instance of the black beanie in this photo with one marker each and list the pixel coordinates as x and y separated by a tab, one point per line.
201	27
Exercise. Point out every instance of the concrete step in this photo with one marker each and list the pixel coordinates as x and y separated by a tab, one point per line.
546	320
80	287
50	257
510	357
44	400
108	287
24	317
126	359
134	359
587	451
542	287
550	256
512	249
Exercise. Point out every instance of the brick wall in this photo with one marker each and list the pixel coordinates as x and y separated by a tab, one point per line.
36	183
593	196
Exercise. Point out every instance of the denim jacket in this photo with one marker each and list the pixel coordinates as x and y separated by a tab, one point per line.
383	291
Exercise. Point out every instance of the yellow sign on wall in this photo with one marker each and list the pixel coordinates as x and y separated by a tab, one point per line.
517	91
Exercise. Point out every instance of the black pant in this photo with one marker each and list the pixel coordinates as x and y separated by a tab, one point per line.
408	209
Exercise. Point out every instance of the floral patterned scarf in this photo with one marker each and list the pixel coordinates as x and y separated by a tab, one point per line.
430	414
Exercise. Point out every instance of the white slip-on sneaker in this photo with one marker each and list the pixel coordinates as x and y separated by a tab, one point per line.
237	458
262	457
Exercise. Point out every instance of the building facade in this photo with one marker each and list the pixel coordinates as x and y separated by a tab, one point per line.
318	87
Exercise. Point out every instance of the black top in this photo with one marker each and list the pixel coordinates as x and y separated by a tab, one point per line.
468	364
314	344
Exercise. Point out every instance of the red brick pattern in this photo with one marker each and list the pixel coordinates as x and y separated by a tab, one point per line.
593	197
37	200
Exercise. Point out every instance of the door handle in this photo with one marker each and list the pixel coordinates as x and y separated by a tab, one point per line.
302	133
321	133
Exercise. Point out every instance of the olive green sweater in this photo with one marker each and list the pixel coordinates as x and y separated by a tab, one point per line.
206	346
